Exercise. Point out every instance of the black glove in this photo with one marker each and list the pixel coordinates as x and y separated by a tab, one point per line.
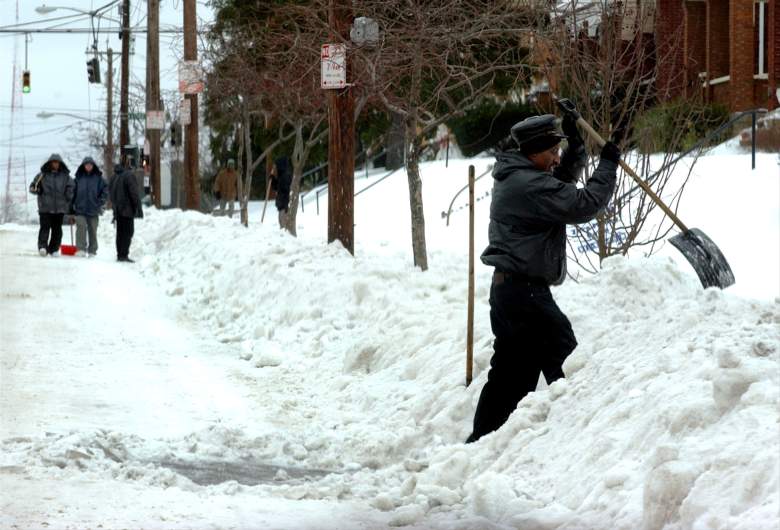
569	127
218	195
610	152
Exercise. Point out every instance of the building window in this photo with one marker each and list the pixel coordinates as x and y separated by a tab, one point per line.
760	40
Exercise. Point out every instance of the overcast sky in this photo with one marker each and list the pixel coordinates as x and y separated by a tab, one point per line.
57	64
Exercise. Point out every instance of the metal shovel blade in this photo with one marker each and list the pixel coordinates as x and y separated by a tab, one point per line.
705	258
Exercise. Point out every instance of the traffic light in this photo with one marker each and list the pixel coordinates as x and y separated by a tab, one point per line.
26	82
93	70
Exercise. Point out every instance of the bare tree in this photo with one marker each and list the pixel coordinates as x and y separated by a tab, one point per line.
292	87
433	62
603	55
238	91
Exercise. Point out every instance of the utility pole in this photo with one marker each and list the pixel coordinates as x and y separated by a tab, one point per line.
192	180
153	92
109	155
124	133
341	141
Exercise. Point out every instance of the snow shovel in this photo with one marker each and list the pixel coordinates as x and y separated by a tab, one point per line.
69	250
701	252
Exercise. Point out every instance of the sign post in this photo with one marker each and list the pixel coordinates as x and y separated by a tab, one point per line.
190	77
334	66
155	119
341	125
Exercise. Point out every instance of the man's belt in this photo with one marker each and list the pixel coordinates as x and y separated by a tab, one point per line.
519	279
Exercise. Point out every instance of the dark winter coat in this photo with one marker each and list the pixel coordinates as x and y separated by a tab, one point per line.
54	189
283	181
124	194
531	208
91	190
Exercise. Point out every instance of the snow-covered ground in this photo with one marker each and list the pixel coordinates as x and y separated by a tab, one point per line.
335	384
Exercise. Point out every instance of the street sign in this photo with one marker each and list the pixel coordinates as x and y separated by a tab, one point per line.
155	119
185	114
136	115
334	66
190	77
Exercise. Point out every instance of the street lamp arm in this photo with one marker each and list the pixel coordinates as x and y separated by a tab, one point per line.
45	10
44	115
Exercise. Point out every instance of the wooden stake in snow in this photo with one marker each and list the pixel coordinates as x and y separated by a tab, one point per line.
470	322
267	194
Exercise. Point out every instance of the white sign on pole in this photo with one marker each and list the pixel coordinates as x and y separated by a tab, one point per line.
334	65
185	114
190	77
155	119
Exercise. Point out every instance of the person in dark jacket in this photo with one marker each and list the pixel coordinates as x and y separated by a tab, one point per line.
282	178
126	203
54	188
534	197
88	200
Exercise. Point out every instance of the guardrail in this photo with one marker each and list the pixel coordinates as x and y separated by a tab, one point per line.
321	189
698	145
464	188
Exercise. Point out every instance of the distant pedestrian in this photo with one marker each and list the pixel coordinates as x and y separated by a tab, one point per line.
127	207
54	188
88	201
225	187
282	176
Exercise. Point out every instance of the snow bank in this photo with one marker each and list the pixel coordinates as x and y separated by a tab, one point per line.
668	418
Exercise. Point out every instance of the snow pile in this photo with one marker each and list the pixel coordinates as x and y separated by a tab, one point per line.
668	419
317	361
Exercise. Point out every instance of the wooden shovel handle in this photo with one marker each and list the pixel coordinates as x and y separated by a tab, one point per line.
642	184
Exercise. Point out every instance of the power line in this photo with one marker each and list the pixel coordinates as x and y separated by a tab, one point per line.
89	30
4	106
13	26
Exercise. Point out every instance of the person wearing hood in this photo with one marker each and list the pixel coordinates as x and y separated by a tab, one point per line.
126	203
281	180
225	187
534	197
54	188
89	199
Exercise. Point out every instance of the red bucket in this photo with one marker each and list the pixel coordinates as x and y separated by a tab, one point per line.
69	250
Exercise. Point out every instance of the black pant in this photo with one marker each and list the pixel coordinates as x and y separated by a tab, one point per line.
50	223
125	227
533	336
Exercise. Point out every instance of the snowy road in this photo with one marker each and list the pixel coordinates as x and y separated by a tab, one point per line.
88	348
118	360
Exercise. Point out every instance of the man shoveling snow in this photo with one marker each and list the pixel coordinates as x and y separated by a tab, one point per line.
534	197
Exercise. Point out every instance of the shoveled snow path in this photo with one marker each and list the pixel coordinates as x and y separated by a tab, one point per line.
119	363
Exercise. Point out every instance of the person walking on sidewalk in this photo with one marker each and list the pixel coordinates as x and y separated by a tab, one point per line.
54	188
88	201
534	197
127	207
225	187
281	176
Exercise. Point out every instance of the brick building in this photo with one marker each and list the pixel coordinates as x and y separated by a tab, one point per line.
730	49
